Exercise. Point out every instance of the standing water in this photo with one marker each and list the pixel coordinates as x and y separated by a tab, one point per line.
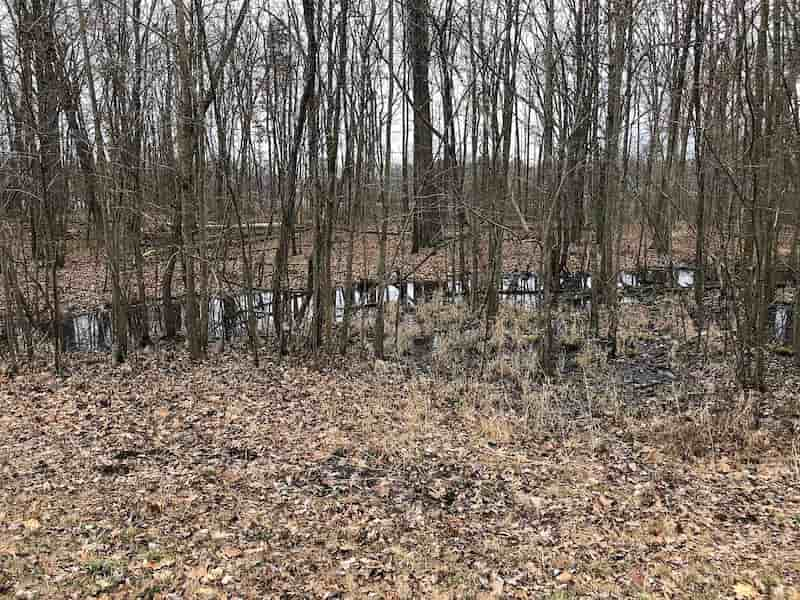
227	314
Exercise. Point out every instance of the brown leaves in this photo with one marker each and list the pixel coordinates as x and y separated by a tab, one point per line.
231	552
206	593
745	591
328	483
601	503
206	575
158	564
564	577
637	578
724	466
529	501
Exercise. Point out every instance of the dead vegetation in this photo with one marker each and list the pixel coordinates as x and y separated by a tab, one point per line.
454	469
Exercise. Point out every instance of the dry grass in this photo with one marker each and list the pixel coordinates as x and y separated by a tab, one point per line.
375	479
708	431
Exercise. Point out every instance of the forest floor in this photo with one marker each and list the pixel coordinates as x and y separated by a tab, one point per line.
451	470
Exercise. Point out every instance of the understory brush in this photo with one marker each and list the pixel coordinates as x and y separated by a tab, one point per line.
491	376
713	429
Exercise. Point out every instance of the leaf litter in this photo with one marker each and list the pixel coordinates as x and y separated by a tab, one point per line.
173	480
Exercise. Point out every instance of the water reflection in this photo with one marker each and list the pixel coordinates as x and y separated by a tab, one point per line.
782	317
227	314
87	332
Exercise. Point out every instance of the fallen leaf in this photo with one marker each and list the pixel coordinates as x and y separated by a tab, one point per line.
197	573
164	562
32	525
637	578
383	488
744	591
529	500
564	577
605	500
206	593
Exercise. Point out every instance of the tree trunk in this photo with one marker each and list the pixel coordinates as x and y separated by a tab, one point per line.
280	268
426	202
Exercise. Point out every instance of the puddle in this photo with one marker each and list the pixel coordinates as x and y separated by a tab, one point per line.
92	331
580	281
781	315
227	315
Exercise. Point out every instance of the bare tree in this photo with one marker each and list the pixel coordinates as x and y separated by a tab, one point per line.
427	228
280	271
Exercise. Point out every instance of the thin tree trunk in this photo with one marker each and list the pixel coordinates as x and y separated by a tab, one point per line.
279	274
385	191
